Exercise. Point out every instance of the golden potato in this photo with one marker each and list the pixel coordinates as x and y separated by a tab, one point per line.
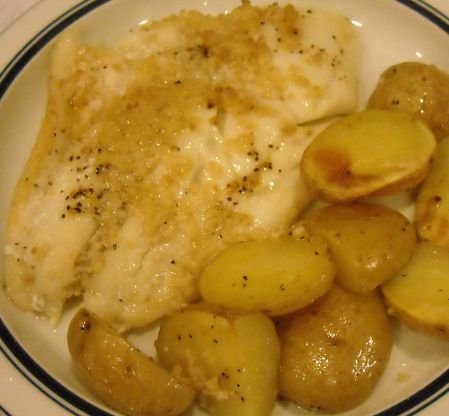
233	359
369	243
334	351
432	204
419	293
277	276
418	88
122	376
374	152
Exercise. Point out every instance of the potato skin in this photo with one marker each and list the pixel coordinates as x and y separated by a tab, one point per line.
369	243
233	359
419	293
334	351
272	276
122	376
432	203
418	88
373	152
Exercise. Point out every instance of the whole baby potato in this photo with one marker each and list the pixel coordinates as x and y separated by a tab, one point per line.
374	152
232	359
432	203
334	351
369	243
273	276
418	88
121	375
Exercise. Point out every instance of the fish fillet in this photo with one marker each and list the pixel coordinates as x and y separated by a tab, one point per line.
157	153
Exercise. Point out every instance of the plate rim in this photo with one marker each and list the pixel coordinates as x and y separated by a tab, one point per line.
11	349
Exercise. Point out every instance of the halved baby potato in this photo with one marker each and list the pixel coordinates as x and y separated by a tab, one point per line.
232	359
369	243
334	351
374	152
418	88
419	293
432	204
273	276
121	375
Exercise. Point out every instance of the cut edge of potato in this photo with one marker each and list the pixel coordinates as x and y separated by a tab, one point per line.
419	293
352	230
232	358
432	213
432	327
328	171
245	284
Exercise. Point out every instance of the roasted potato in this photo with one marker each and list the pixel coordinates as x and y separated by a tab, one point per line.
418	88
374	152
121	375
432	204
233	359
369	243
276	276
334	351
419	293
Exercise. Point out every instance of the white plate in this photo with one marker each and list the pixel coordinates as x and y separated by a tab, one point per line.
35	369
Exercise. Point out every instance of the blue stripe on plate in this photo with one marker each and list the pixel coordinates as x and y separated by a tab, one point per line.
3	411
35	44
35	374
421	399
15	354
39	378
429	12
